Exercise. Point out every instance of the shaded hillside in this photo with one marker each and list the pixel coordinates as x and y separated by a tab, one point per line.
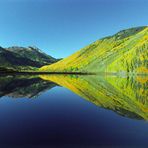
21	86
20	58
123	52
125	96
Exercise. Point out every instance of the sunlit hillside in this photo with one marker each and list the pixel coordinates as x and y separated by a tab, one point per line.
126	51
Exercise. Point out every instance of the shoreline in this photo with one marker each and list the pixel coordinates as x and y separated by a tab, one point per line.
69	73
37	73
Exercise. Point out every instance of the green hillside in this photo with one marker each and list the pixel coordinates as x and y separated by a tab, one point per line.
126	51
21	58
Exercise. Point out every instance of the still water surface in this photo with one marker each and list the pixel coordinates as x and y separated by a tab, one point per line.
73	111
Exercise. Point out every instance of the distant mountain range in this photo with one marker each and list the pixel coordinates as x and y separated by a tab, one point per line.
21	58
126	51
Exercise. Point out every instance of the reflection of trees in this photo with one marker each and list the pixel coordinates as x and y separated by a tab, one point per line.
122	95
125	96
23	86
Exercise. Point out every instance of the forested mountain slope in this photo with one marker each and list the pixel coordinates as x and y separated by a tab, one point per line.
126	51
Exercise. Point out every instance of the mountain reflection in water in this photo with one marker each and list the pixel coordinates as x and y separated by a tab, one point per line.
126	96
22	86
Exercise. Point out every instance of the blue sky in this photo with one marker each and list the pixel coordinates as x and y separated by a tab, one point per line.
61	27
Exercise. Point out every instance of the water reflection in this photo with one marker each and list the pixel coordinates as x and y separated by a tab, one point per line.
126	96
21	86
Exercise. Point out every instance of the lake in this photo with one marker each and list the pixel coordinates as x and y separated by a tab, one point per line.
73	111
